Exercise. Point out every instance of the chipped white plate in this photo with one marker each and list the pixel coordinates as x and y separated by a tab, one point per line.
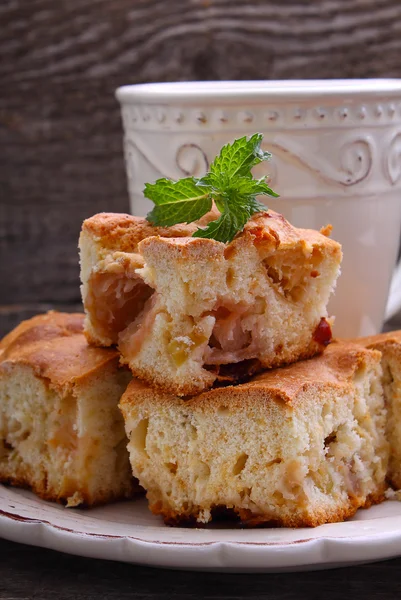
127	532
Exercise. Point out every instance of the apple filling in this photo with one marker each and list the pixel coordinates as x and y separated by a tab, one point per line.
131	339
232	339
114	301
182	347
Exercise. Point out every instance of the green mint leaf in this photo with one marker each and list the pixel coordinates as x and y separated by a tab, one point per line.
165	191
229	184
236	204
214	181
235	212
225	227
255	206
180	201
242	186
238	158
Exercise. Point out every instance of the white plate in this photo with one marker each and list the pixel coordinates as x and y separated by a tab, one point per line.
127	532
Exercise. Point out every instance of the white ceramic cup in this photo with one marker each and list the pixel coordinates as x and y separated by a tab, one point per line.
336	148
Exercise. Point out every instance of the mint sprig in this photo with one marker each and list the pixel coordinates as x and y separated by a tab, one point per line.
228	183
180	201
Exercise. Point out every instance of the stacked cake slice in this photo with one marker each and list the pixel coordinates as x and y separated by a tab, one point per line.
389	344
61	433
213	425
188	312
297	446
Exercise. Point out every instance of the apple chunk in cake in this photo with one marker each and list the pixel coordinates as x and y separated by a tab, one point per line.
187	311
297	446
61	432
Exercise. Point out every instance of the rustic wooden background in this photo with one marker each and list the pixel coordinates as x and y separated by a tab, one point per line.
60	132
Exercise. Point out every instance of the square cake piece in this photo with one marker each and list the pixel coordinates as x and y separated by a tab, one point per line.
61	432
187	312
297	446
389	345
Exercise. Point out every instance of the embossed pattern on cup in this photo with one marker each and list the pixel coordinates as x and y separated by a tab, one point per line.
336	158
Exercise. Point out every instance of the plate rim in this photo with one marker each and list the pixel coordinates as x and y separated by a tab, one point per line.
223	555
6	516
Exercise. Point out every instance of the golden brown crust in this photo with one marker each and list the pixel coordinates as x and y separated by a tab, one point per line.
335	367
272	229
124	232
326	230
45	327
54	346
183	248
375	341
267	231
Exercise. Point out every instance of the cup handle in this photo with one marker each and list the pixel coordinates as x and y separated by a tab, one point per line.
394	299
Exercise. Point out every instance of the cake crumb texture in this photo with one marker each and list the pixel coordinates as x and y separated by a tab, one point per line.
297	446
389	344
61	433
185	312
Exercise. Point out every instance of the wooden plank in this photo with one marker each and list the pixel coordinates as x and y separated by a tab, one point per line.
28	573
10	316
60	131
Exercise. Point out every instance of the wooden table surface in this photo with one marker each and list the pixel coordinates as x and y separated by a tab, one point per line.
27	573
